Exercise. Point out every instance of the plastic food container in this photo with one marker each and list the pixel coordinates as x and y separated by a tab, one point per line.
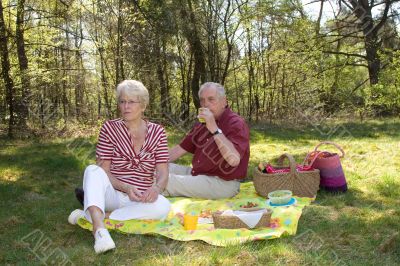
280	197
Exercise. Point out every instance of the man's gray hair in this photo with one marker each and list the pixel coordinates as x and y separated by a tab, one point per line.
220	89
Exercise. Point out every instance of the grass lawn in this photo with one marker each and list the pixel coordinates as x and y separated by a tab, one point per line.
37	179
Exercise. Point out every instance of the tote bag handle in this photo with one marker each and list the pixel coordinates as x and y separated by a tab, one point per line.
331	143
314	154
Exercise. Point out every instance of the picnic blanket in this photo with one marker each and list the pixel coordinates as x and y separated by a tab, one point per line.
284	220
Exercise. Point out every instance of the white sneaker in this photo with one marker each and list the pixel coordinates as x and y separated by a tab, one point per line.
75	215
103	241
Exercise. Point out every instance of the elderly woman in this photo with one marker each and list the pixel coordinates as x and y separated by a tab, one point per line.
131	170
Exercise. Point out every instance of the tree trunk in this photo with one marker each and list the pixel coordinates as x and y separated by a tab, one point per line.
333	104
250	73
192	36
161	78
64	87
374	63
212	43
284	92
371	42
5	73
188	89
80	79
318	23
118	58
101	50
185	77
23	67
236	89
363	11
104	83
79	87
229	43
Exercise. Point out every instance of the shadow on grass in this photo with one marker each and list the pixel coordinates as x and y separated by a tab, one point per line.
39	162
40	168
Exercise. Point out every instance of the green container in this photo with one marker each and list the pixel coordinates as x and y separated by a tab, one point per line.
280	197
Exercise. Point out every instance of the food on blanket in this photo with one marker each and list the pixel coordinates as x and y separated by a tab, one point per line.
248	205
205	217
280	197
206	214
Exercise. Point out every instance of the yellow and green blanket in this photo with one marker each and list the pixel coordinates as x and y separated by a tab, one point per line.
284	220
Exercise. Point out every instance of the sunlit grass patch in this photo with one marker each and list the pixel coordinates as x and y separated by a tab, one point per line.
389	186
10	175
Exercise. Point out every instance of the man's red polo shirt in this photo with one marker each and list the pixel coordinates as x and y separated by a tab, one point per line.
207	160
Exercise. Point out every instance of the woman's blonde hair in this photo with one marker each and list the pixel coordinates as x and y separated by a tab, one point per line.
134	88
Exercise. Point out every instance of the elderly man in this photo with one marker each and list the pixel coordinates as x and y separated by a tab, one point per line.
220	148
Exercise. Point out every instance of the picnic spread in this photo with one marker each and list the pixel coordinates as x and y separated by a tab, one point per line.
283	221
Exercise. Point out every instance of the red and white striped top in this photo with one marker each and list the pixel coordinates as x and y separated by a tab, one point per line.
115	144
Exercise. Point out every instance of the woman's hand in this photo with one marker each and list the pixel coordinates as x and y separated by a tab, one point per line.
151	194
134	194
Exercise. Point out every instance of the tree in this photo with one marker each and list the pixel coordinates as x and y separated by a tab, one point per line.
370	28
5	73
192	34
23	66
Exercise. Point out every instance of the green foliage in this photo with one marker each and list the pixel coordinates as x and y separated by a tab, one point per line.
384	98
273	63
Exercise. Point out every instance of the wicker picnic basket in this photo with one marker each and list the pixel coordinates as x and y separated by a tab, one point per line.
302	184
233	222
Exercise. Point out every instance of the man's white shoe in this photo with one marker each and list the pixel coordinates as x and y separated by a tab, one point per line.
103	241
75	215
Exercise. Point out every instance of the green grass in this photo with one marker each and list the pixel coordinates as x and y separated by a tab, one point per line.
37	179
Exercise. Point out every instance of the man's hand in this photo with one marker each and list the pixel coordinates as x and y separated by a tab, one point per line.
150	195
208	116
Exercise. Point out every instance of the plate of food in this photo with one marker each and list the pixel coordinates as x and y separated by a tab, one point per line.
205	217
249	207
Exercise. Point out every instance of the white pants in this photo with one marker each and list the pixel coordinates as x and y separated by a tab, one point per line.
99	192
182	183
